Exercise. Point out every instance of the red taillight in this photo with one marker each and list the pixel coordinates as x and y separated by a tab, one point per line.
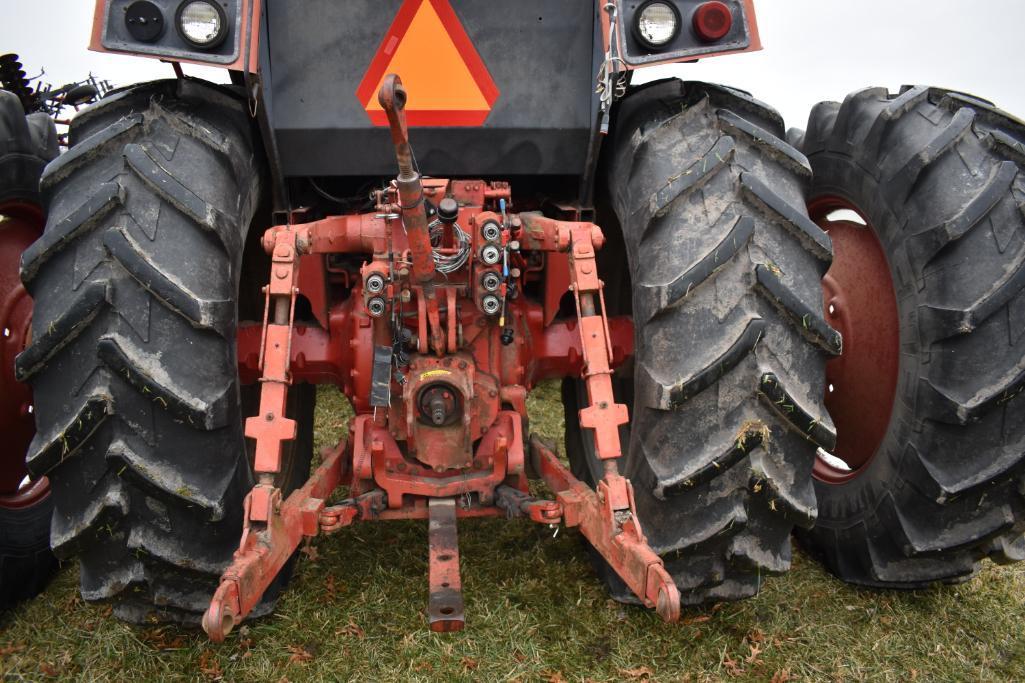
712	21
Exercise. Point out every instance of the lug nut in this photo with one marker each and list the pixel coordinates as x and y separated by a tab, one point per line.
376	307
490	282
490	255
375	283
490	304
490	231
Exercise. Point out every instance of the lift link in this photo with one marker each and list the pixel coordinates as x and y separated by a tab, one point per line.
607	515
266	547
272	527
607	518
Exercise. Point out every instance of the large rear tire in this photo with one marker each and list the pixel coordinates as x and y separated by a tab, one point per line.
27	143
133	360
936	177
728	368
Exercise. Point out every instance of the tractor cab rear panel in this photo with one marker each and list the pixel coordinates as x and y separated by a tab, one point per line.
494	88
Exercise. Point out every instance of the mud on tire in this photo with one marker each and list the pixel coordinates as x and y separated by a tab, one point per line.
728	369
133	361
938	176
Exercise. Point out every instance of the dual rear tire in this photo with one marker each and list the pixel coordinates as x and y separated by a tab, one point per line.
730	447
936	179
730	342
133	355
27	143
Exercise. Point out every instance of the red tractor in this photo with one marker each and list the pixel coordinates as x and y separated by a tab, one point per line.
755	331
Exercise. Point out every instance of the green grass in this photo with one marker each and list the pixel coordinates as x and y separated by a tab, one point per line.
355	611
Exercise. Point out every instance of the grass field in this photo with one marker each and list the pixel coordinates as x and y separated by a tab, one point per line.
534	612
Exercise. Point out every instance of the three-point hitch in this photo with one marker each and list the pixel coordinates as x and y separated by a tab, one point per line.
442	351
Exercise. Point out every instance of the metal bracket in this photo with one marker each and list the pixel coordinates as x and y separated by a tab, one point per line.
445	611
606	514
266	546
607	518
272	529
516	503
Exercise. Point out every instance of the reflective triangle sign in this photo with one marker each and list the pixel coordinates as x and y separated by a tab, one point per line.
445	79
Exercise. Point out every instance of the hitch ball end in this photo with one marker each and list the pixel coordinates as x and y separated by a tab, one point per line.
218	628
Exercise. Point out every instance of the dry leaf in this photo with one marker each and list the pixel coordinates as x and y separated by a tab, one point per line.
11	649
755	651
209	666
351	629
299	654
469	663
159	639
330	590
732	667
310	552
641	672
755	636
700	619
48	669
781	676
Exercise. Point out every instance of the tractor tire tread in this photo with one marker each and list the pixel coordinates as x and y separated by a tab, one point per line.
720	477
940	176
134	372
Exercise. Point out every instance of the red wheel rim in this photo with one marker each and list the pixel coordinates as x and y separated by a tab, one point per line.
20	225
860	302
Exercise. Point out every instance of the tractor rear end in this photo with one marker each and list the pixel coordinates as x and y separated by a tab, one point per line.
213	252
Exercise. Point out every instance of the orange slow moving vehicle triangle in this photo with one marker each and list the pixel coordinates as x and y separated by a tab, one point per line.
445	79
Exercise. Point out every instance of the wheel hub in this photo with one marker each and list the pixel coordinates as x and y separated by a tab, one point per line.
860	303
20	224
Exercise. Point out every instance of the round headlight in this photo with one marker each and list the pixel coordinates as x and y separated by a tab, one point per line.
656	24
202	24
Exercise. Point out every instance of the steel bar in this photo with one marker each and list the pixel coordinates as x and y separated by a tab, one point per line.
445	607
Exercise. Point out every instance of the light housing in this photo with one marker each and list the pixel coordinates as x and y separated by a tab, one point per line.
201	23
712	21
656	24
144	21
